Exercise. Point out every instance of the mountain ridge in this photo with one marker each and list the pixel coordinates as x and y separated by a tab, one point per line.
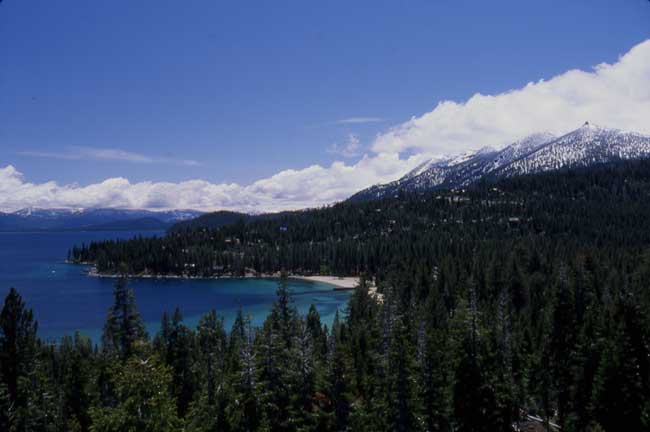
92	219
540	152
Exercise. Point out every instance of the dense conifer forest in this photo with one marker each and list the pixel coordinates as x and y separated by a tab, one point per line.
550	213
522	304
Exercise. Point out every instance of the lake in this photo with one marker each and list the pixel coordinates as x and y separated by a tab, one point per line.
64	299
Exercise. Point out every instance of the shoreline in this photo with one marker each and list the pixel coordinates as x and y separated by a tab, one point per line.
339	283
249	275
342	283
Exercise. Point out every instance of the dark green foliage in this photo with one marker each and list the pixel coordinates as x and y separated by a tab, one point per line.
76	381
124	327
20	378
17	342
337	388
212	220
143	401
177	348
208	410
402	402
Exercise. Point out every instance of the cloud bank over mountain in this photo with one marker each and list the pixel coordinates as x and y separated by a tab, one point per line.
289	189
614	95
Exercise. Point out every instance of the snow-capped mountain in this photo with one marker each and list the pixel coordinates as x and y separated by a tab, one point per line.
36	212
536	153
38	219
585	146
519	149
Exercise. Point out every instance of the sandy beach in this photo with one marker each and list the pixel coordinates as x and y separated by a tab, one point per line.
338	282
342	283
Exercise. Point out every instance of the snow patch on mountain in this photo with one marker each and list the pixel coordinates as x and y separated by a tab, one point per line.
587	145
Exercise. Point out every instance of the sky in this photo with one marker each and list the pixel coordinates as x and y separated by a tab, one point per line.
263	106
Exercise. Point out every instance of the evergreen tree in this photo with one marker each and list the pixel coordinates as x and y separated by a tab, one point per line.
303	377
403	406
562	345
144	403
337	388
76	381
316	333
434	364
180	351
245	414
208	412
124	327
621	399
275	343
18	363
474	399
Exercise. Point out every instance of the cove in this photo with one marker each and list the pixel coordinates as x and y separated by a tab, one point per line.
64	299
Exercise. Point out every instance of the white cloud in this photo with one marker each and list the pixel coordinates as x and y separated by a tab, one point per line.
289	189
350	149
360	120
613	95
106	154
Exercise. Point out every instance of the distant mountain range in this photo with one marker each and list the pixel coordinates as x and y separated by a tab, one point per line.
586	146
105	219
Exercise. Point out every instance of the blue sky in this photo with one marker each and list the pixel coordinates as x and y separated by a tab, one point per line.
234	92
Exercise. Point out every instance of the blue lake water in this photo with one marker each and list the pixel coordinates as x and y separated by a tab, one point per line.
64	299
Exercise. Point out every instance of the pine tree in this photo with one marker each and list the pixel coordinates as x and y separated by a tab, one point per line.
402	402
303	378
364	337
276	349
434	364
474	399
316	332
180	352
143	400
283	313
124	327
337	388
245	413
620	394
499	370
562	345
76	358
208	411
18	362
6	409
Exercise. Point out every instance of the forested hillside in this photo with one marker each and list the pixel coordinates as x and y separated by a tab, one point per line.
555	213
518	305
212	220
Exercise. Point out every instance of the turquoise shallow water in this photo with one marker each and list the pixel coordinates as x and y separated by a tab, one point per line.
65	300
